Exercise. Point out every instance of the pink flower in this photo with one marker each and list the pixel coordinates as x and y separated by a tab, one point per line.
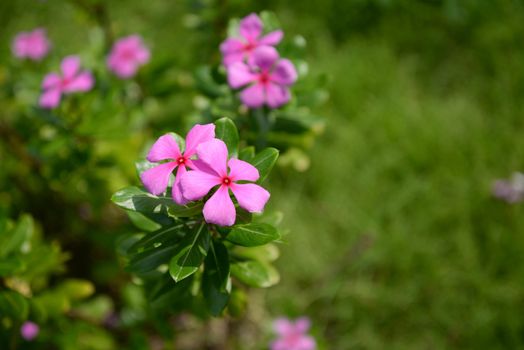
33	45
268	78
72	80
212	170
127	55
156	179
292	335
238	49
29	330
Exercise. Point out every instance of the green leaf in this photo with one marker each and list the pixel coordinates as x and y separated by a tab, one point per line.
136	199
227	132
18	236
264	162
163	236
206	83
14	305
150	259
216	282
191	254
263	253
247	154
11	266
185	211
254	234
255	273
143	222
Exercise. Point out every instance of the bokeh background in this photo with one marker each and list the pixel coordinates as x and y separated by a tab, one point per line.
394	238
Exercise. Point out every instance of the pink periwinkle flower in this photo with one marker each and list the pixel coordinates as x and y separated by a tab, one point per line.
293	335
32	45
268	78
250	30
211	170
127	55
72	79
29	330
156	179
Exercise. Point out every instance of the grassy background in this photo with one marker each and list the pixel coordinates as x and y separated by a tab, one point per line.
394	239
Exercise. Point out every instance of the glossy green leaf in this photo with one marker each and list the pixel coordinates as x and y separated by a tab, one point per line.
255	273
264	253
150	259
13	305
215	281
264	162
185	211
143	222
137	199
191	253
162	236
227	132
247	154
251	235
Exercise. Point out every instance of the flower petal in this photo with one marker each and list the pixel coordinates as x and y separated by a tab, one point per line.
306	342
265	56
277	95
272	38
196	184
284	72
239	74
214	153
231	45
156	179
251	197
283	326
178	197
251	27
253	96
240	170
164	148
302	325
219	209
82	82
50	98
231	58
51	80
70	66
197	135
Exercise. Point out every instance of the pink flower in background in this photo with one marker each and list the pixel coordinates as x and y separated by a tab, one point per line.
293	335
211	170
268	78
71	80
29	330
510	190
127	55
156	179
238	49
33	45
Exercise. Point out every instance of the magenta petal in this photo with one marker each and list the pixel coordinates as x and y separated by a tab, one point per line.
197	135
282	326
70	66
156	179
277	95
231	45
51	80
231	58
265	56
82	82
239	74
178	197
284	73
196	184
306	342
272	38
253	96
214	154
240	170
302	325
251	197
164	148
50	98
219	209
250	26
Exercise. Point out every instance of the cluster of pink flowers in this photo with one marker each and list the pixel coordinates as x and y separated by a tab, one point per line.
202	167
124	60
293	335
252	61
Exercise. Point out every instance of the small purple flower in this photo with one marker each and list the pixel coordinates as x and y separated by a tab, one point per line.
250	30
511	190
32	45
293	335
267	78
127	55
29	330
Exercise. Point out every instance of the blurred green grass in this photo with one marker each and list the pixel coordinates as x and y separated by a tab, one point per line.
394	239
